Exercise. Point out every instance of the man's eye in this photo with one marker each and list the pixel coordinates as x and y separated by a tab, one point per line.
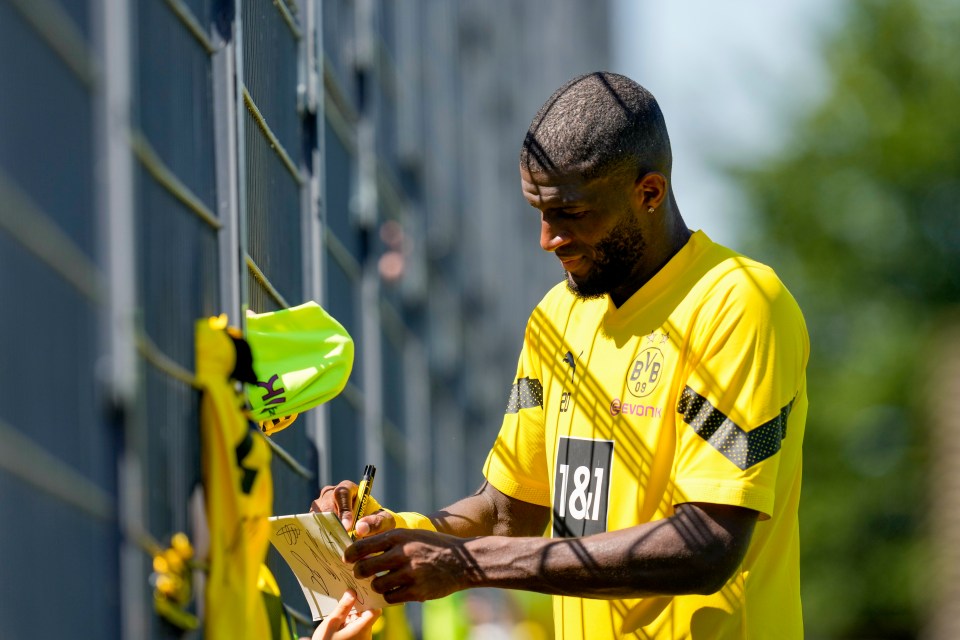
563	214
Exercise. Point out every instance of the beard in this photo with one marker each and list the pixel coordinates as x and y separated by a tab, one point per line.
615	259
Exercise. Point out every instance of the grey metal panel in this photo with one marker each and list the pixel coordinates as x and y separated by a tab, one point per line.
171	411
177	276
273	214
260	299
409	27
342	303
46	149
48	392
270	70
340	167
273	147
344	423
47	383
51	550
202	10
171	421
45	137
177	269
176	253
393	492
173	98
386	122
387	26
339	33
388	84
177	262
273	186
293	493
59	567
345	442
79	12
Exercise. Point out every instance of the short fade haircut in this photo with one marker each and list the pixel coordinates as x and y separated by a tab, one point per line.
595	125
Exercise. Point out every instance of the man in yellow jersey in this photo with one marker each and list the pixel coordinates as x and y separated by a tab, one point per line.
655	424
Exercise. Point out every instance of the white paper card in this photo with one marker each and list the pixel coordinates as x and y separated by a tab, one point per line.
313	544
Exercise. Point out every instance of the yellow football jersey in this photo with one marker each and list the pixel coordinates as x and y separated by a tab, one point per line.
693	391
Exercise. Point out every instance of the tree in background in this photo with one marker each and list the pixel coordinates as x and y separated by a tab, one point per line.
860	216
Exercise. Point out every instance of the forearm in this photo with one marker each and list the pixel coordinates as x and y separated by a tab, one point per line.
466	518
489	513
667	557
696	550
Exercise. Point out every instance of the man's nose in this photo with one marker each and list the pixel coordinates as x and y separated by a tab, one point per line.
552	235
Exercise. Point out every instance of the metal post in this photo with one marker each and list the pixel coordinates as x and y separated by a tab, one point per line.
227	156
367	215
113	20
315	227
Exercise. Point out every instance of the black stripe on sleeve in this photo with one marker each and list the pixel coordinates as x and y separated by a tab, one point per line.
742	448
526	393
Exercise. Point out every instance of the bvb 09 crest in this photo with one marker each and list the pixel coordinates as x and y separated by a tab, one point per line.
645	372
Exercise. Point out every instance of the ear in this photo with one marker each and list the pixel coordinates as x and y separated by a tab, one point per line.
650	190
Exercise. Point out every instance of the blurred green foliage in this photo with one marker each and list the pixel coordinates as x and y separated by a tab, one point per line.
860	216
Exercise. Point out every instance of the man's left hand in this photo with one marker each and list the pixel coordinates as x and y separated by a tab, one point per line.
415	565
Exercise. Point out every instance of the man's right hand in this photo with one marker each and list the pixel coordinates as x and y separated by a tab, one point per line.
341	499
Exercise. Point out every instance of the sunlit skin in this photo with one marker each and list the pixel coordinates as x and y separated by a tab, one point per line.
344	623
490	539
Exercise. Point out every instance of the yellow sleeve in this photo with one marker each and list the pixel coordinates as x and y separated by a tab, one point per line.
402	519
412	520
517	464
747	359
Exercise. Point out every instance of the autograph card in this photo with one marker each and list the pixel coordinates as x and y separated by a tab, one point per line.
313	544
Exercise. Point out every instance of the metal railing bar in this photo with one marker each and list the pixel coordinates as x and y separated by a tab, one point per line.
60	33
288	18
271	137
288	459
395	440
344	131
389	189
151	161
298	616
264	281
185	14
335	93
342	256
27	460
28	225
393	324
161	361
388	67
352	394
167	365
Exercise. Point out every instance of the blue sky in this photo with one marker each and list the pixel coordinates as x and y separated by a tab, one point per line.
731	77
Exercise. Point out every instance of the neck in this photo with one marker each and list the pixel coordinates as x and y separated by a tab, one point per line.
676	235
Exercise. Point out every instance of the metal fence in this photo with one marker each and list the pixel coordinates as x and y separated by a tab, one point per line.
163	161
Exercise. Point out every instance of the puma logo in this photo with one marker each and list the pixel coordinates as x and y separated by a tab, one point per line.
570	360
